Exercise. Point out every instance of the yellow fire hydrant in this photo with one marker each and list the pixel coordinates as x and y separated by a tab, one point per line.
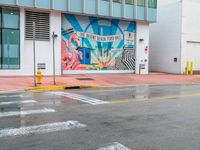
39	77
187	68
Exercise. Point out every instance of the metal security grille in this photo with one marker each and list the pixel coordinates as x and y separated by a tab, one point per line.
41	25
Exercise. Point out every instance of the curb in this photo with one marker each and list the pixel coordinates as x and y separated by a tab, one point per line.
150	84
55	88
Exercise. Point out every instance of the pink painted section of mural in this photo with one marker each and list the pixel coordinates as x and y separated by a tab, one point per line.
71	59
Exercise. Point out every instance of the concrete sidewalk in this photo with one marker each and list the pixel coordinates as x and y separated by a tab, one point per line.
103	80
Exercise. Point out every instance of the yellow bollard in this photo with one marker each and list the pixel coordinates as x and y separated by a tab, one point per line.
187	68
191	68
39	77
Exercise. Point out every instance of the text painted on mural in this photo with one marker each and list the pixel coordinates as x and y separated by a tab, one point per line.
100	38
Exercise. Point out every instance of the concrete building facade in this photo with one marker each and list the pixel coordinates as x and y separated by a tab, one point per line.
92	36
175	39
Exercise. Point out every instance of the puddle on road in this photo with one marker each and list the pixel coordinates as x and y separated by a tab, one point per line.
146	92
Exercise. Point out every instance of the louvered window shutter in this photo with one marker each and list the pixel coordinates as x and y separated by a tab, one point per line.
41	25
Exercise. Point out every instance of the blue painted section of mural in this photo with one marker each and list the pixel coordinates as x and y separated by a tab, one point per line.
75	24
86	55
91	43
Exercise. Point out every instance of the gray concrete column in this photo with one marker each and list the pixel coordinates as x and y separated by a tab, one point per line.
52	4
146	10
17	2
83	6
111	7
68	5
97	6
35	3
123	8
135	9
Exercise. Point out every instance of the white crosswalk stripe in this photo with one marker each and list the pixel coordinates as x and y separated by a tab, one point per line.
113	146
81	98
18	102
27	112
41	129
35	129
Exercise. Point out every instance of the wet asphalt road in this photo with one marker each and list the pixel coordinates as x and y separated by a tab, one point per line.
133	118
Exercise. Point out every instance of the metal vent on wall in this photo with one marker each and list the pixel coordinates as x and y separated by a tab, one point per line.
41	25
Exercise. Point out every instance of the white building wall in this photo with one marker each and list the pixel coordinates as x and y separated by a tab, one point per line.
191	33
165	37
44	50
142	57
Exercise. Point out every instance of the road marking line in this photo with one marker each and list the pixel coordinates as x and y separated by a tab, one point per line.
153	98
24	113
41	129
81	98
18	102
113	146
10	96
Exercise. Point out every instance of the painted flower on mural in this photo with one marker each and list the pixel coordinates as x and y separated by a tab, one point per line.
104	60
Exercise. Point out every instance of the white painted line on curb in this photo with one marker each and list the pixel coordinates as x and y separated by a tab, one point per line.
41	129
11	91
113	146
24	113
10	96
18	102
81	98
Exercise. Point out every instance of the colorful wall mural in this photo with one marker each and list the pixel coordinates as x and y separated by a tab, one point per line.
91	43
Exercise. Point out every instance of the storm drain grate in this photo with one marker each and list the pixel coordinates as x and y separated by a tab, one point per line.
84	79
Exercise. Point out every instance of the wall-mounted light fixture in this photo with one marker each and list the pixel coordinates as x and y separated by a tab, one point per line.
175	59
141	40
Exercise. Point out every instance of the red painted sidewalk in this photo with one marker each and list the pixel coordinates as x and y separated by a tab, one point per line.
20	83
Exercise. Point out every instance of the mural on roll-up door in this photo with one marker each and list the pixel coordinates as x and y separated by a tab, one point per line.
91	43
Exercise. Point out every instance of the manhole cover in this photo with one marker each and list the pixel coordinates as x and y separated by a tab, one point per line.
84	79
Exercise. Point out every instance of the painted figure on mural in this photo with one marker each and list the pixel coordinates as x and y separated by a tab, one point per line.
71	61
